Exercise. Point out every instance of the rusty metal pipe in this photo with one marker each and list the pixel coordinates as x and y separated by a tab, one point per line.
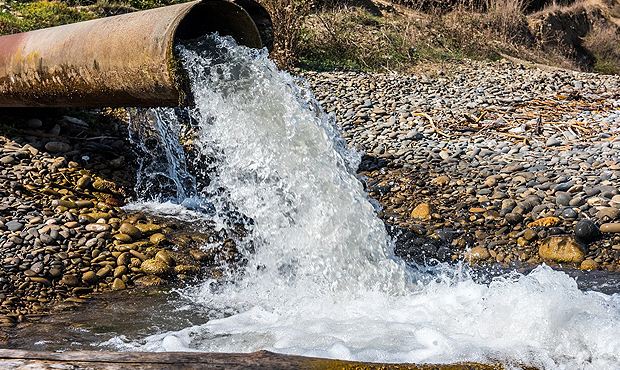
120	61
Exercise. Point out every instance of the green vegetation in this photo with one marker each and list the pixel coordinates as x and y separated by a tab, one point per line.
20	16
380	35
28	16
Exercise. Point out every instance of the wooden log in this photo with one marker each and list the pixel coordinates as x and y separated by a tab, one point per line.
18	359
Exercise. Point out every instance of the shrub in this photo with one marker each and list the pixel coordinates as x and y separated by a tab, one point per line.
288	17
603	41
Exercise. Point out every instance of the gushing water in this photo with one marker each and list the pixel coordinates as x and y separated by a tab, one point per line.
321	278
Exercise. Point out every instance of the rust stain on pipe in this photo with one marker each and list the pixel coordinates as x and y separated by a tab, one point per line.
124	60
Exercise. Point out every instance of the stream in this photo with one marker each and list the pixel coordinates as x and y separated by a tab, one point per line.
318	275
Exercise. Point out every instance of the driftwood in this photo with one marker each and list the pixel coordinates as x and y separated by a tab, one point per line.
17	359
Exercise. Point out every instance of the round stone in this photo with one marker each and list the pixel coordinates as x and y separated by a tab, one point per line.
586	231
589	265
154	266
130	230
569	213
561	249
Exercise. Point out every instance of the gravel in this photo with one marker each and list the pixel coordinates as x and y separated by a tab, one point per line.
517	144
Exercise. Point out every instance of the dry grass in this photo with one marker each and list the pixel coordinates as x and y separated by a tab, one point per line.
288	17
603	42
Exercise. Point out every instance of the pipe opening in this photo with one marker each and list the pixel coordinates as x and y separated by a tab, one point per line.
223	17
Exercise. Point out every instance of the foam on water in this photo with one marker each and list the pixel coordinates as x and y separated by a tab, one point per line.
321	278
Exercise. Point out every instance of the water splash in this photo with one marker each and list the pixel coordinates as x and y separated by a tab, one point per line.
321	277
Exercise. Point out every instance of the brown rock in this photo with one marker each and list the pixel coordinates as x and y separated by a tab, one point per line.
610	227
440	180
154	267
70	280
123	238
545	222
165	257
477	254
96	227
118	284
421	212
104	271
157	238
589	264
149	280
89	277
120	271
130	230
186	269
561	249
148	229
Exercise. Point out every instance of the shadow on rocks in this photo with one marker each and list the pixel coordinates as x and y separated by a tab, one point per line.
94	140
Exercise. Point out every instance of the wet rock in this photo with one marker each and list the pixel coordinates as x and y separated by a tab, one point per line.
589	265
186	270
84	204
104	271
40	280
149	281
154	267
165	257
148	229
90	277
123	238
199	255
130	230
561	249
84	182
586	231
157	238
119	271
70	280
118	284
477	254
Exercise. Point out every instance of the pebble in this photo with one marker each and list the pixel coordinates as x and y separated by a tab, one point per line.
589	265
421	212
610	227
89	277
97	227
477	254
132	231
57	147
586	231
14	225
561	249
118	284
154	267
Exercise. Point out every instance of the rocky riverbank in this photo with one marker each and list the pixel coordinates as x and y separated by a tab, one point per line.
63	233
485	162
489	162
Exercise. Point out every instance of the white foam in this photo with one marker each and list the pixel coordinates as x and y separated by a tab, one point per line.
541	319
321	279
